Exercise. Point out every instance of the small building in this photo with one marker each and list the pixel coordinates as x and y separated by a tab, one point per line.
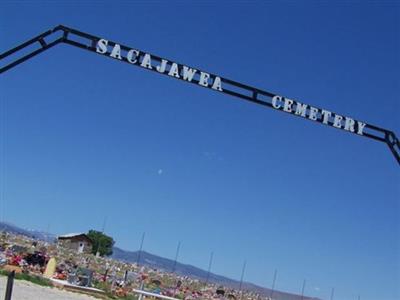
78	242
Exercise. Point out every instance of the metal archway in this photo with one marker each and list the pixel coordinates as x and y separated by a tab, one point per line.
62	34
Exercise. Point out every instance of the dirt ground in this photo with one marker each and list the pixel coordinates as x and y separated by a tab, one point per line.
24	290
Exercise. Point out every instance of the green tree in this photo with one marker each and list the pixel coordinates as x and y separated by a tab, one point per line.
101	243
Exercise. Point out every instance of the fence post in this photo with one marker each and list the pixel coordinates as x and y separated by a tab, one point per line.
10	284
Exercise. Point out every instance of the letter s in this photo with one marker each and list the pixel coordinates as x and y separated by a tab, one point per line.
101	46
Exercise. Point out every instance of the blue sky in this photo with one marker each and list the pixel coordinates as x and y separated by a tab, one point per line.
85	138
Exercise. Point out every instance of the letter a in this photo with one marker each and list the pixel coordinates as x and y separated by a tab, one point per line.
146	62
116	52
217	84
174	71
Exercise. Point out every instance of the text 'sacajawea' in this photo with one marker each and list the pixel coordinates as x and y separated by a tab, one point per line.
173	69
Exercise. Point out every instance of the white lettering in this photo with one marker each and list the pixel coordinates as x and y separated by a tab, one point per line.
360	126
337	121
146	62
349	124
161	68
217	84
132	56
101	46
275	99
301	109
188	73
204	78
287	106
116	51
313	114
174	71
325	114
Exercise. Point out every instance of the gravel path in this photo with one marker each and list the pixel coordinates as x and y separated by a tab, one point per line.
24	290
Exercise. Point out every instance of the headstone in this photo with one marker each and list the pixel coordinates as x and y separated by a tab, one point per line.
50	268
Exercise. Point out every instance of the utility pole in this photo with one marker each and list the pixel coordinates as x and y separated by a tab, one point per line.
47	233
176	257
241	279
103	227
140	249
273	283
209	267
302	290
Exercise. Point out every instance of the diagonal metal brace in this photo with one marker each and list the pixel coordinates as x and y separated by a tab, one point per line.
394	144
40	39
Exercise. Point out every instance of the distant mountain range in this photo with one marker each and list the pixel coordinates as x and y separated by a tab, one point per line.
35	234
161	263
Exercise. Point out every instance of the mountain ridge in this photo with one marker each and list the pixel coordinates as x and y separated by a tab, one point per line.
166	264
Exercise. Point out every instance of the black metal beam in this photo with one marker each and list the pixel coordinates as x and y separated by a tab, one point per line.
88	42
40	39
10	285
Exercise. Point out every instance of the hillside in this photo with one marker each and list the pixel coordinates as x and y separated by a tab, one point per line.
161	263
166	264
